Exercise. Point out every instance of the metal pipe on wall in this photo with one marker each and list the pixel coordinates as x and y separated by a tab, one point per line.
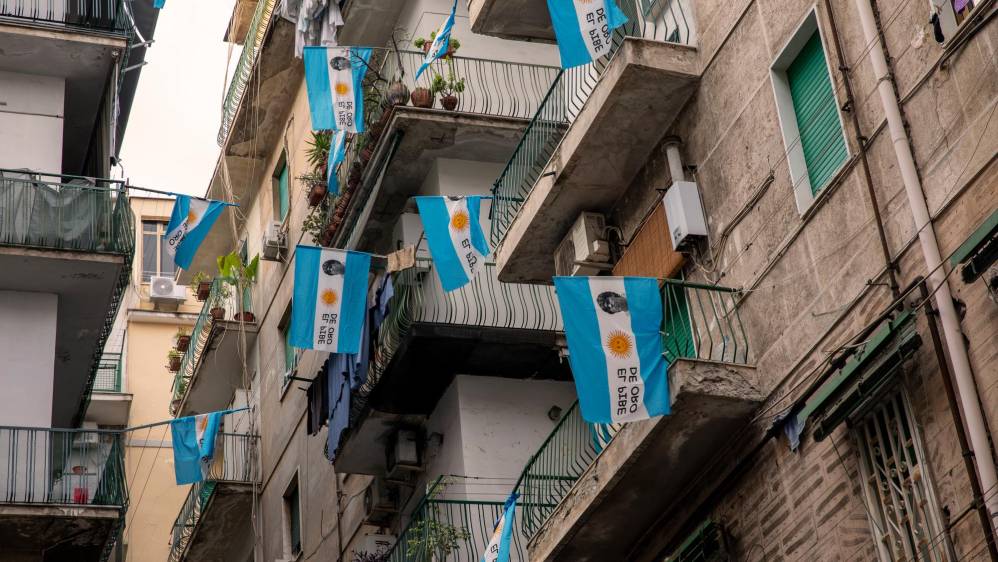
964	377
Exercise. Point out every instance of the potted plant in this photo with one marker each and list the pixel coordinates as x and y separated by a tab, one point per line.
433	539
203	284
396	94
317	152
423	43
241	276
422	97
314	223
448	88
183	339
316	185
365	556
173	357
222	293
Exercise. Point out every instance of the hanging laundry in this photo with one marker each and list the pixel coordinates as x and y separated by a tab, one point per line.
339	415
318	400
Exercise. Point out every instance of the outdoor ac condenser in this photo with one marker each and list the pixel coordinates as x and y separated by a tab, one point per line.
584	248
166	290
273	242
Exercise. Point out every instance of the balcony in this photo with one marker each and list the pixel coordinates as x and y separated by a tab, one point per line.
62	491
403	142
106	16
589	482
594	131
74	240
486	328
214	523
210	369
108	404
524	20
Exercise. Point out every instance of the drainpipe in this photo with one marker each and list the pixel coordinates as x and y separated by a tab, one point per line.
966	387
675	160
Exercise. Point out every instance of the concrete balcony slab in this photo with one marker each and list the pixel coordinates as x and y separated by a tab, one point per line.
648	465
65	532
217	370
636	100
524	20
225	530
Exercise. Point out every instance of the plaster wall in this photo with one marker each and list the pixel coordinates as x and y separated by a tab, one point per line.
27	340
32	111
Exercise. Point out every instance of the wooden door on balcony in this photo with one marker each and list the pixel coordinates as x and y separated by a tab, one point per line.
650	253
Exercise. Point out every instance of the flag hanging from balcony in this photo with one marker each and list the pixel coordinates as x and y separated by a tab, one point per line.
190	222
498	547
330	299
441	42
337	152
194	445
454	233
158	3
615	346
333	78
584	28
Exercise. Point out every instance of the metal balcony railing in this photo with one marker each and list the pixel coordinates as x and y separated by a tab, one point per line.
108	378
662	20
62	467
222	304
255	35
88	15
235	462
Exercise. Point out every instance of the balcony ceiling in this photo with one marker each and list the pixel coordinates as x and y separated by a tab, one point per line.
84	284
225	529
65	532
109	408
648	467
524	20
84	60
635	102
218	371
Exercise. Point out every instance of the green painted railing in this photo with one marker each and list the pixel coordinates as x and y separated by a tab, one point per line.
257	32
662	20
221	305
88	15
108	377
235	462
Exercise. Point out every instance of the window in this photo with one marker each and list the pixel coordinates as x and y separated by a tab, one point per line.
282	195
952	14
896	484
290	352
292	519
809	113
155	260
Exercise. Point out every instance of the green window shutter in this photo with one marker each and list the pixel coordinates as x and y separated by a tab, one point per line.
284	195
289	350
821	135
677	327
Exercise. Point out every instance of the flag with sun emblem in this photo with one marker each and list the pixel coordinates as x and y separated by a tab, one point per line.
584	28
441	42
454	233
615	346
333	79
190	222
330	299
337	153
194	445
498	548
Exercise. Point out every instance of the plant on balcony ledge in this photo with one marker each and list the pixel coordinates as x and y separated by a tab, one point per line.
183	339
203	284
317	154
434	541
448	88
423	43
173	358
242	277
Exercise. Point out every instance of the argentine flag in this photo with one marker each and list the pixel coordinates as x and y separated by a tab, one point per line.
454	233
190	222
330	299
584	28
337	152
498	548
441	42
194	445
333	78
615	347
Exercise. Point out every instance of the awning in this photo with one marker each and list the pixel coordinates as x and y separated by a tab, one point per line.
979	251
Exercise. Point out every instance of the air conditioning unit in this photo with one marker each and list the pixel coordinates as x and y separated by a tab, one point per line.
372	542
684	213
380	501
584	249
166	290
404	452
86	439
273	242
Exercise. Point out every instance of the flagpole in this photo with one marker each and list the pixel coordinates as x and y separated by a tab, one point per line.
171	193
148	425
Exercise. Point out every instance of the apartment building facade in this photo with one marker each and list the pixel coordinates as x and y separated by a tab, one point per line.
66	246
811	416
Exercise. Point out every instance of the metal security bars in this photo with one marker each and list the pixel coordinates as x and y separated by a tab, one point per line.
661	20
96	15
62	467
222	304
702	322
235	462
258	27
108	377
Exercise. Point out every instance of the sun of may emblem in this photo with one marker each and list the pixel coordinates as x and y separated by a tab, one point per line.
329	297
192	217
619	344
342	88
459	221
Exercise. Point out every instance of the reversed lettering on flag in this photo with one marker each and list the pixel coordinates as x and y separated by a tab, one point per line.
341	85
623	366
195	214
459	227
329	299
594	26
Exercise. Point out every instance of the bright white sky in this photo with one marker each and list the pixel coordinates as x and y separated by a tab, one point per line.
170	140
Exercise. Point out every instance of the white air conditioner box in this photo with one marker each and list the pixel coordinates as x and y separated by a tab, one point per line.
584	248
380	499
684	213
407	232
166	290
273	242
403	452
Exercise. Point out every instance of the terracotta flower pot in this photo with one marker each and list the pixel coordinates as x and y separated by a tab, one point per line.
449	102
174	365
204	289
183	342
245	316
422	97
316	193
367	154
217	313
356	171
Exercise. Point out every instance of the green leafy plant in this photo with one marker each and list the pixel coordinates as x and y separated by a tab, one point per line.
447	86
317	152
314	224
181	332
200	277
239	275
173	354
317	177
452	45
430	539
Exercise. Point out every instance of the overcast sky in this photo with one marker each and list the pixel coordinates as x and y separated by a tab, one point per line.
170	143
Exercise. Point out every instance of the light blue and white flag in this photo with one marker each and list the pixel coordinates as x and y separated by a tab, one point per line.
498	547
584	28
194	445
333	78
158	4
454	233
189	224
615	348
337	152
441	42
330	299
